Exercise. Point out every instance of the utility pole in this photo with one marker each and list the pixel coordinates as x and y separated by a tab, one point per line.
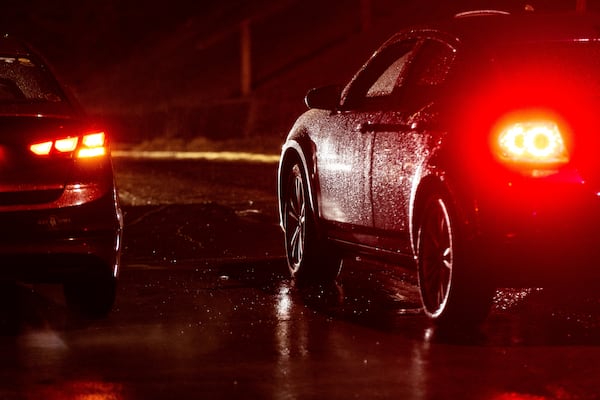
245	58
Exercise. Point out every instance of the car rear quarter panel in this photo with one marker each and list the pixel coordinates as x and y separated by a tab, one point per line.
299	147
449	170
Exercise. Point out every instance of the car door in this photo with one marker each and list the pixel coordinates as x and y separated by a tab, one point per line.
344	148
343	161
403	140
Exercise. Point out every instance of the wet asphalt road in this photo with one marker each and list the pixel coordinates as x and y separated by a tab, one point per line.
205	309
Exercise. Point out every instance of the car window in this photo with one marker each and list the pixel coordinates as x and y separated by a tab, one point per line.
429	69
23	80
379	77
432	63
389	80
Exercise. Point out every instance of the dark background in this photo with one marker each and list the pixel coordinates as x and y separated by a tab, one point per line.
172	69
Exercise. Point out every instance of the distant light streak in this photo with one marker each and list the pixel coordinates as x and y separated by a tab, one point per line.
198	155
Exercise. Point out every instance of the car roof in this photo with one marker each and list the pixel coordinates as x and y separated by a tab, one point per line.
493	26
11	45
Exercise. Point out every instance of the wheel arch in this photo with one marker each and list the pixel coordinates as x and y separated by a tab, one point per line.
463	205
293	152
427	186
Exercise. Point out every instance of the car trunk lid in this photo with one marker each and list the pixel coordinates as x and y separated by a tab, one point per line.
24	176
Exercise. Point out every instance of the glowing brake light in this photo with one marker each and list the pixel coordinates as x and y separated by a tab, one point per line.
66	145
41	149
90	145
535	142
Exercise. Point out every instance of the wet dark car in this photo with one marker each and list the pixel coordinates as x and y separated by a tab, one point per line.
468	150
60	220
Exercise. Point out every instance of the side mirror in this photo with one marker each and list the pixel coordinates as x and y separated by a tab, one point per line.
324	98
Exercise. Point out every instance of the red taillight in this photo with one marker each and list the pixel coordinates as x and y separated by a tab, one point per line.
41	149
531	141
66	145
92	145
86	146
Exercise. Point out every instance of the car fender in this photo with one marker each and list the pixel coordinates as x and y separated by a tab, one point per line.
298	146
431	177
426	181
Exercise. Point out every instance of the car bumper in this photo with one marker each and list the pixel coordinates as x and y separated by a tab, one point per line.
58	244
542	231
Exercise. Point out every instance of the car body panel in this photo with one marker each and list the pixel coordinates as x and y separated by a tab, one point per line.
344	168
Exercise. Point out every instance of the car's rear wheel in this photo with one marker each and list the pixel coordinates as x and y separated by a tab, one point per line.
91	297
453	290
309	259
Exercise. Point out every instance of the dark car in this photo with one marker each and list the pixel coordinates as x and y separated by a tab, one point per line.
468	149
60	220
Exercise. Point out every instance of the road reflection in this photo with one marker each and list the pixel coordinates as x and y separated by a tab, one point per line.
79	390
290	336
243	328
313	349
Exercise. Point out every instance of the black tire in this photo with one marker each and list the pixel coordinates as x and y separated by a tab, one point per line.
453	290
91	297
309	259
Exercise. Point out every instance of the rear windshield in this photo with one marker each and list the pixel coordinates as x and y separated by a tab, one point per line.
23	80
556	65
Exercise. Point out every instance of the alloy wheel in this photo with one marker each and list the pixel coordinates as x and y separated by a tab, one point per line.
295	219
436	249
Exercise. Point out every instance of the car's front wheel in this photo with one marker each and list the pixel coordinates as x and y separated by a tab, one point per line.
309	259
453	290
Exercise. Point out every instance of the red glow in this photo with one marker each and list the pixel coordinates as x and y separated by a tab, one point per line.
41	149
93	145
531	139
66	145
532	142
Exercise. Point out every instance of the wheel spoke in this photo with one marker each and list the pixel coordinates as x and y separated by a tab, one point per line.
292	212
296	244
302	214
441	294
299	192
293	218
447	258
